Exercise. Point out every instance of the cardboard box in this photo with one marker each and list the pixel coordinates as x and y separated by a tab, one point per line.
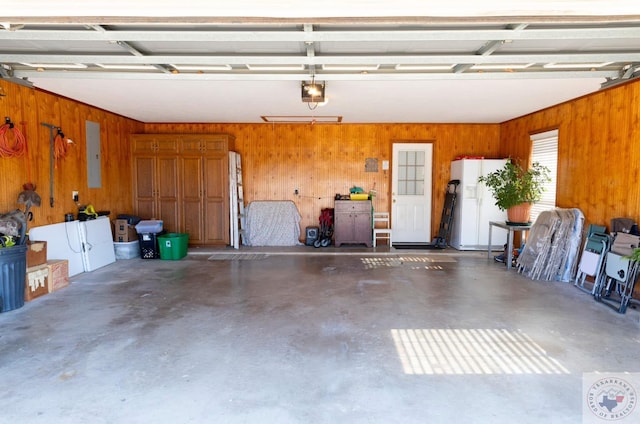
58	274
121	225
36	253
124	232
36	282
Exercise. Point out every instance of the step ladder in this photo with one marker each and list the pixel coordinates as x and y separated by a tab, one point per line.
236	201
446	220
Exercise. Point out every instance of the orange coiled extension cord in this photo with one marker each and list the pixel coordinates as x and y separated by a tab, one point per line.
60	146
14	145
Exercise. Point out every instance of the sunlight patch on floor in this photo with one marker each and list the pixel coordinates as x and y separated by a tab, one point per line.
415	262
471	351
238	257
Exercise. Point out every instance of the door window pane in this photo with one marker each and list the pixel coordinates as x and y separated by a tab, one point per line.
402	187
411	173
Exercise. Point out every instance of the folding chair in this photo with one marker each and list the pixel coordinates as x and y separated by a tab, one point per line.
383	229
620	273
621	225
595	248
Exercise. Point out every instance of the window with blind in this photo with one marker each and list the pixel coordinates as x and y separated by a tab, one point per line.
545	151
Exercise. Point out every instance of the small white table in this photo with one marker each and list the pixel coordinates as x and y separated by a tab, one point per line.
511	228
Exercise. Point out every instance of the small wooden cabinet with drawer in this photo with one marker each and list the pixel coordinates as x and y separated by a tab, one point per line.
352	222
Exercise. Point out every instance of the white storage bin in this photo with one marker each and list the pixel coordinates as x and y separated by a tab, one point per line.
127	249
149	226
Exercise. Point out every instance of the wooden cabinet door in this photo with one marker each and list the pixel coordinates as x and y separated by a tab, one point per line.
166	146
362	230
153	143
143	144
342	228
167	188
144	187
342	223
215	145
216	202
191	189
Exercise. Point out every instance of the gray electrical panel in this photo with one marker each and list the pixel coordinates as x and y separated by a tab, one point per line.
94	175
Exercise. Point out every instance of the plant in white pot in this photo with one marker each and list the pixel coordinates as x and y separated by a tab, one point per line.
516	189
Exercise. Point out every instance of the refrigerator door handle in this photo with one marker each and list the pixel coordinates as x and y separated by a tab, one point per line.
480	189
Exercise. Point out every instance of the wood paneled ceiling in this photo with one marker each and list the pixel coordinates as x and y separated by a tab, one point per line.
420	69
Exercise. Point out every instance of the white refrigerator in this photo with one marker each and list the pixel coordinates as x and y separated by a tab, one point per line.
475	206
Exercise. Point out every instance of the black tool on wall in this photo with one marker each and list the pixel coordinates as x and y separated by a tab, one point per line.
51	159
58	145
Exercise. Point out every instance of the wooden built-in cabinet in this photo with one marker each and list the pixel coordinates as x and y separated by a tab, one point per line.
182	179
156	189
352	222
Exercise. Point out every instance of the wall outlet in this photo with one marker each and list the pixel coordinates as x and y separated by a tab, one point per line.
74	196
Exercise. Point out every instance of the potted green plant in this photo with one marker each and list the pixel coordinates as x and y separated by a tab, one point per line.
635	255
516	189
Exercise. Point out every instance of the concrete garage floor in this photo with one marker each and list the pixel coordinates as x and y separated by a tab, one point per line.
307	335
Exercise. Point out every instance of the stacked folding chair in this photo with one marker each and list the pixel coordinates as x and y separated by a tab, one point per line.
592	260
615	288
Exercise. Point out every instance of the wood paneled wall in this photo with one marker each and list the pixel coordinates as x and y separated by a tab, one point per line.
324	159
28	109
598	151
599	158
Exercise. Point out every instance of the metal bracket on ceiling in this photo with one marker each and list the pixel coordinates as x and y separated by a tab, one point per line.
630	72
6	73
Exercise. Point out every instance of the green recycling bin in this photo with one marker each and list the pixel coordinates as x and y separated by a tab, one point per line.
173	246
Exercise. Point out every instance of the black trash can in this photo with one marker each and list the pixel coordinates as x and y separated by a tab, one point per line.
13	272
148	232
149	245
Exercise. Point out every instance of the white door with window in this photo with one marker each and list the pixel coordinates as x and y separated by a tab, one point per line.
411	192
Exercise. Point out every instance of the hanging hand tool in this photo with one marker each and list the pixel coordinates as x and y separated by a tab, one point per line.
51	159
